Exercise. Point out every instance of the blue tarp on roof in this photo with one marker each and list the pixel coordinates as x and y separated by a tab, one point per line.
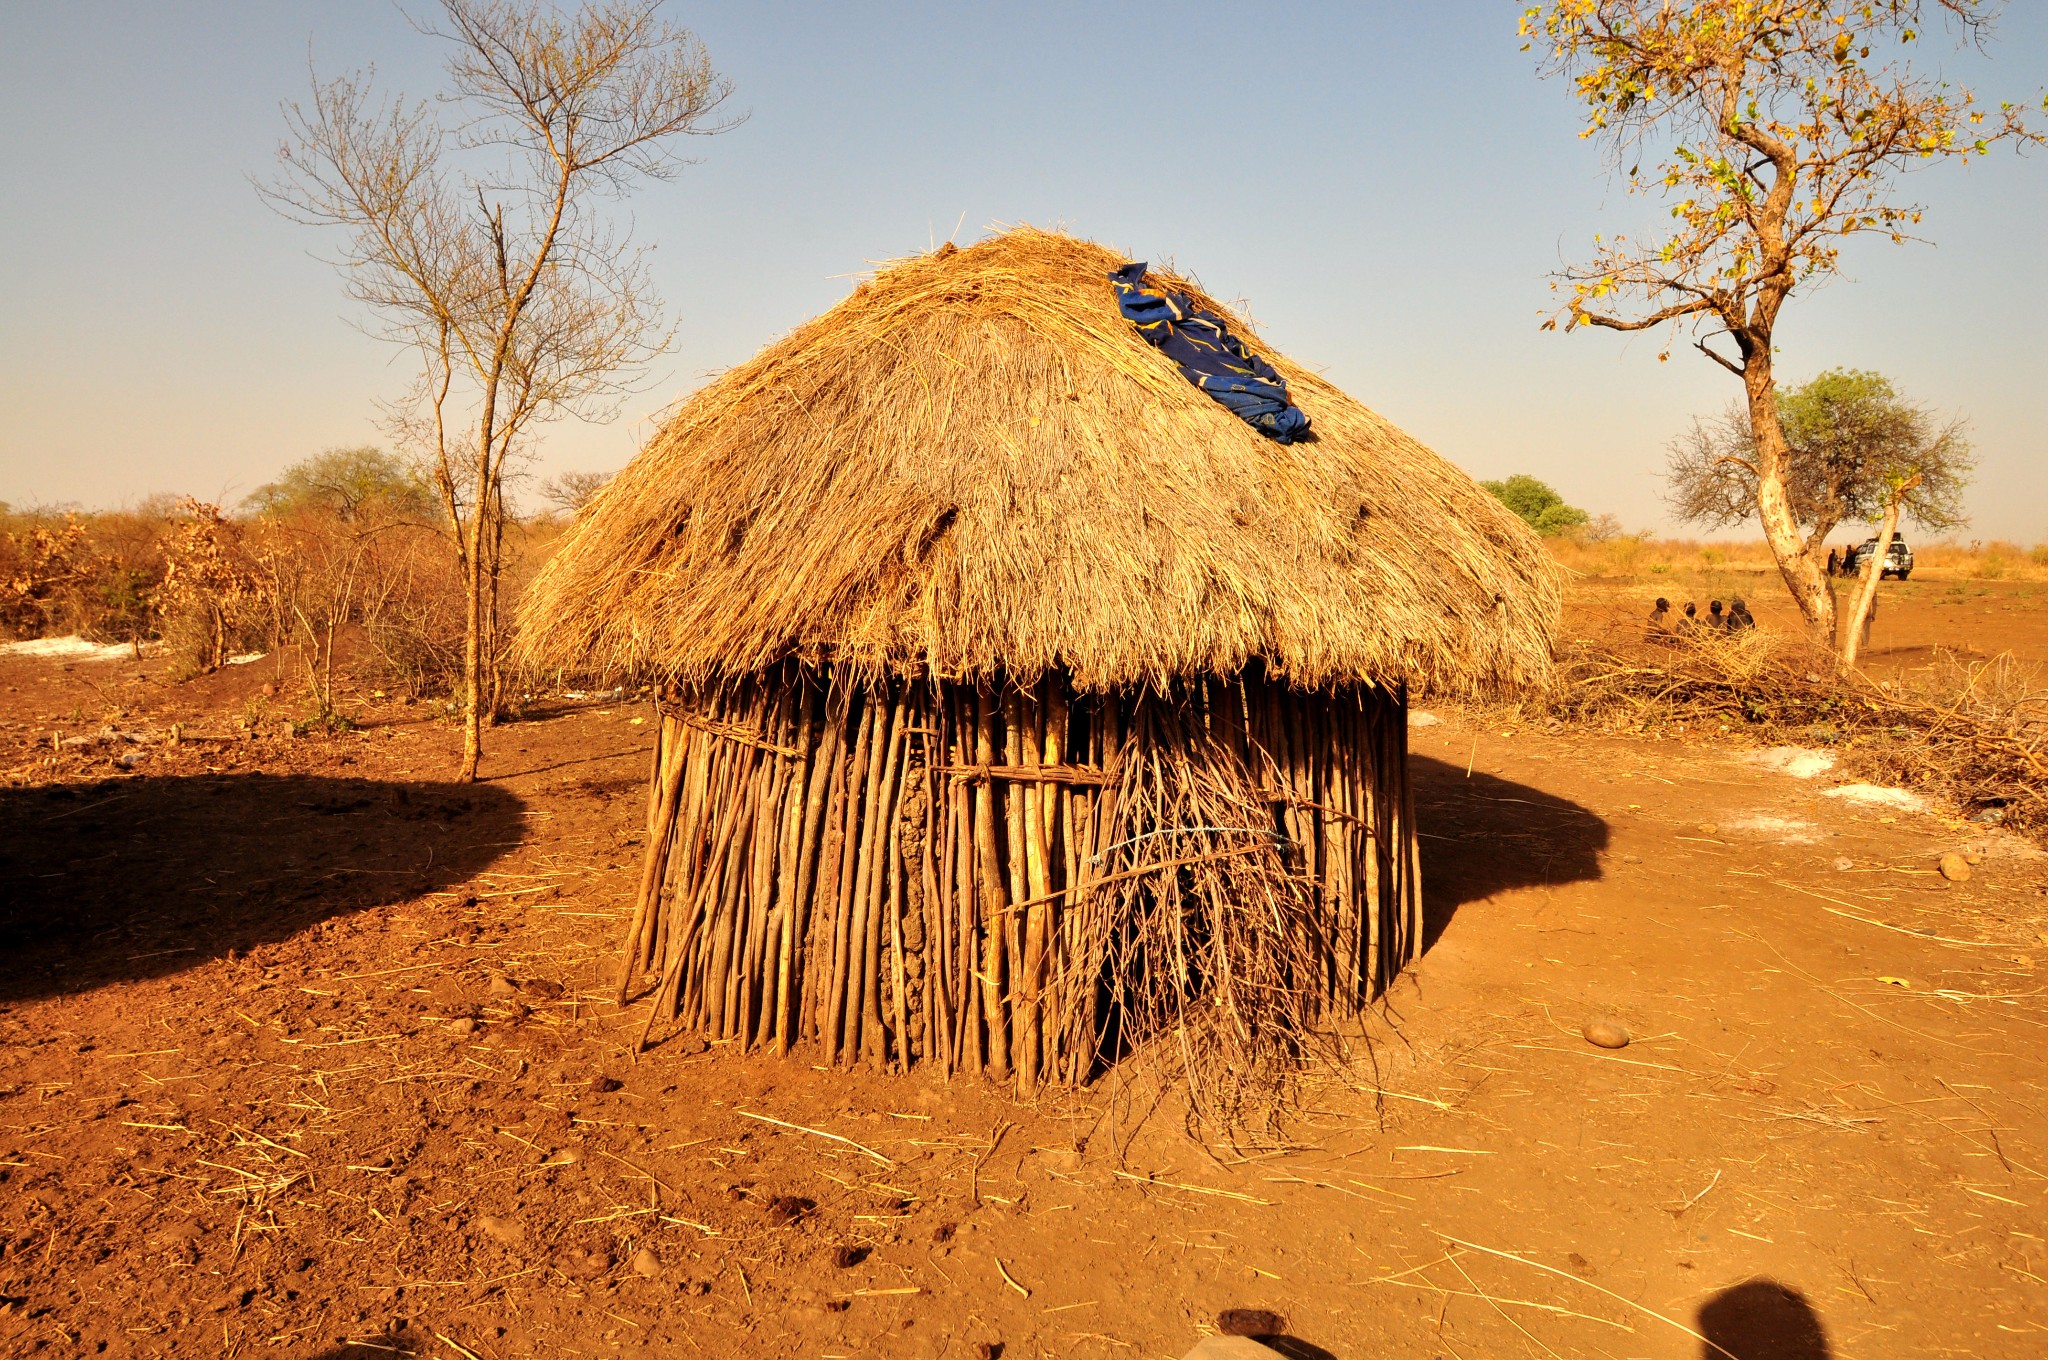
1209	356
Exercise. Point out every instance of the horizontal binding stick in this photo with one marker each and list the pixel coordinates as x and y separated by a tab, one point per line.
734	732
1035	774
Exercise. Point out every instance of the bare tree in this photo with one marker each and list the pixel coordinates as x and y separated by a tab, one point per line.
1781	128
573	490
477	243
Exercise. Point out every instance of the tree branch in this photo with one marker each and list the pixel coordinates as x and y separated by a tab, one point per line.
1729	364
1614	323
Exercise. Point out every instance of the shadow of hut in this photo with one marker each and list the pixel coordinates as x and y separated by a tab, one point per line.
1483	835
143	876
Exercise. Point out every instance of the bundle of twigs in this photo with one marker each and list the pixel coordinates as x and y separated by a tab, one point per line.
1022	879
1973	731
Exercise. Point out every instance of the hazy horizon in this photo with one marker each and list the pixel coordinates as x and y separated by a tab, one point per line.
1387	185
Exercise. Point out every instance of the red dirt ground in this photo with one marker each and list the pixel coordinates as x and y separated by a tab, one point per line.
308	1053
1917	620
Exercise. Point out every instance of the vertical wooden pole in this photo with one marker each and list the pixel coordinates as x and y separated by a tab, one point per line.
795	852
994	895
671	748
970	1054
831	1021
885	880
816	871
1030	798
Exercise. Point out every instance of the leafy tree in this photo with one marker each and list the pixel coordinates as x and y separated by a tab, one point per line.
472	228
1777	129
349	484
1856	451
1538	504
1848	435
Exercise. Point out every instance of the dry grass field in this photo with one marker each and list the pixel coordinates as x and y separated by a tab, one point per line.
1970	603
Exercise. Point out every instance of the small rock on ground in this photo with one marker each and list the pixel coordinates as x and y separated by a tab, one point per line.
1606	1033
1250	1322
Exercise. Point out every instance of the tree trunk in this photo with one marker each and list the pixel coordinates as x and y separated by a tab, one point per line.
1803	576
493	673
1873	572
475	582
472	662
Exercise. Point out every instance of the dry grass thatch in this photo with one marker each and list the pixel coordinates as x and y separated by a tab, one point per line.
974	465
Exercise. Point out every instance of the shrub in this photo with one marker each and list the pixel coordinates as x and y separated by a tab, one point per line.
1538	504
209	601
42	567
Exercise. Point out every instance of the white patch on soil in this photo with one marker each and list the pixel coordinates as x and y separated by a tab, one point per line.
2001	845
72	648
1878	795
1418	718
1780	830
246	657
1797	761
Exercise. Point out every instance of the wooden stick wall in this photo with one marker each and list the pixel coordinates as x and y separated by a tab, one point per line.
1021	881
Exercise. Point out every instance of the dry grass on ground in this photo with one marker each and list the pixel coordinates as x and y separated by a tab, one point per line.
1640	557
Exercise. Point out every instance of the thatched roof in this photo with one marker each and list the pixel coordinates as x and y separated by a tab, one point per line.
974	463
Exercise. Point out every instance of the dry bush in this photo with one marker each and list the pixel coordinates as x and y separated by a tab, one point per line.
1975	732
209	602
381	570
43	564
313	570
1997	560
325	575
90	574
412	613
118	603
211	585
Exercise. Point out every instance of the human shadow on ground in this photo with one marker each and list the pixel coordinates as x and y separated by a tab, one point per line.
1483	835
143	876
1762	1319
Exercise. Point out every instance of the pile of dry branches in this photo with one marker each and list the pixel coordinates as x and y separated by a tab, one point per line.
1972	731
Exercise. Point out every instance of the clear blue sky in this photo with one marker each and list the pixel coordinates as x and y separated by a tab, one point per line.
1387	184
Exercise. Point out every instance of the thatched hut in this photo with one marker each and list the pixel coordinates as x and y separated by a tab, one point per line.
1018	703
